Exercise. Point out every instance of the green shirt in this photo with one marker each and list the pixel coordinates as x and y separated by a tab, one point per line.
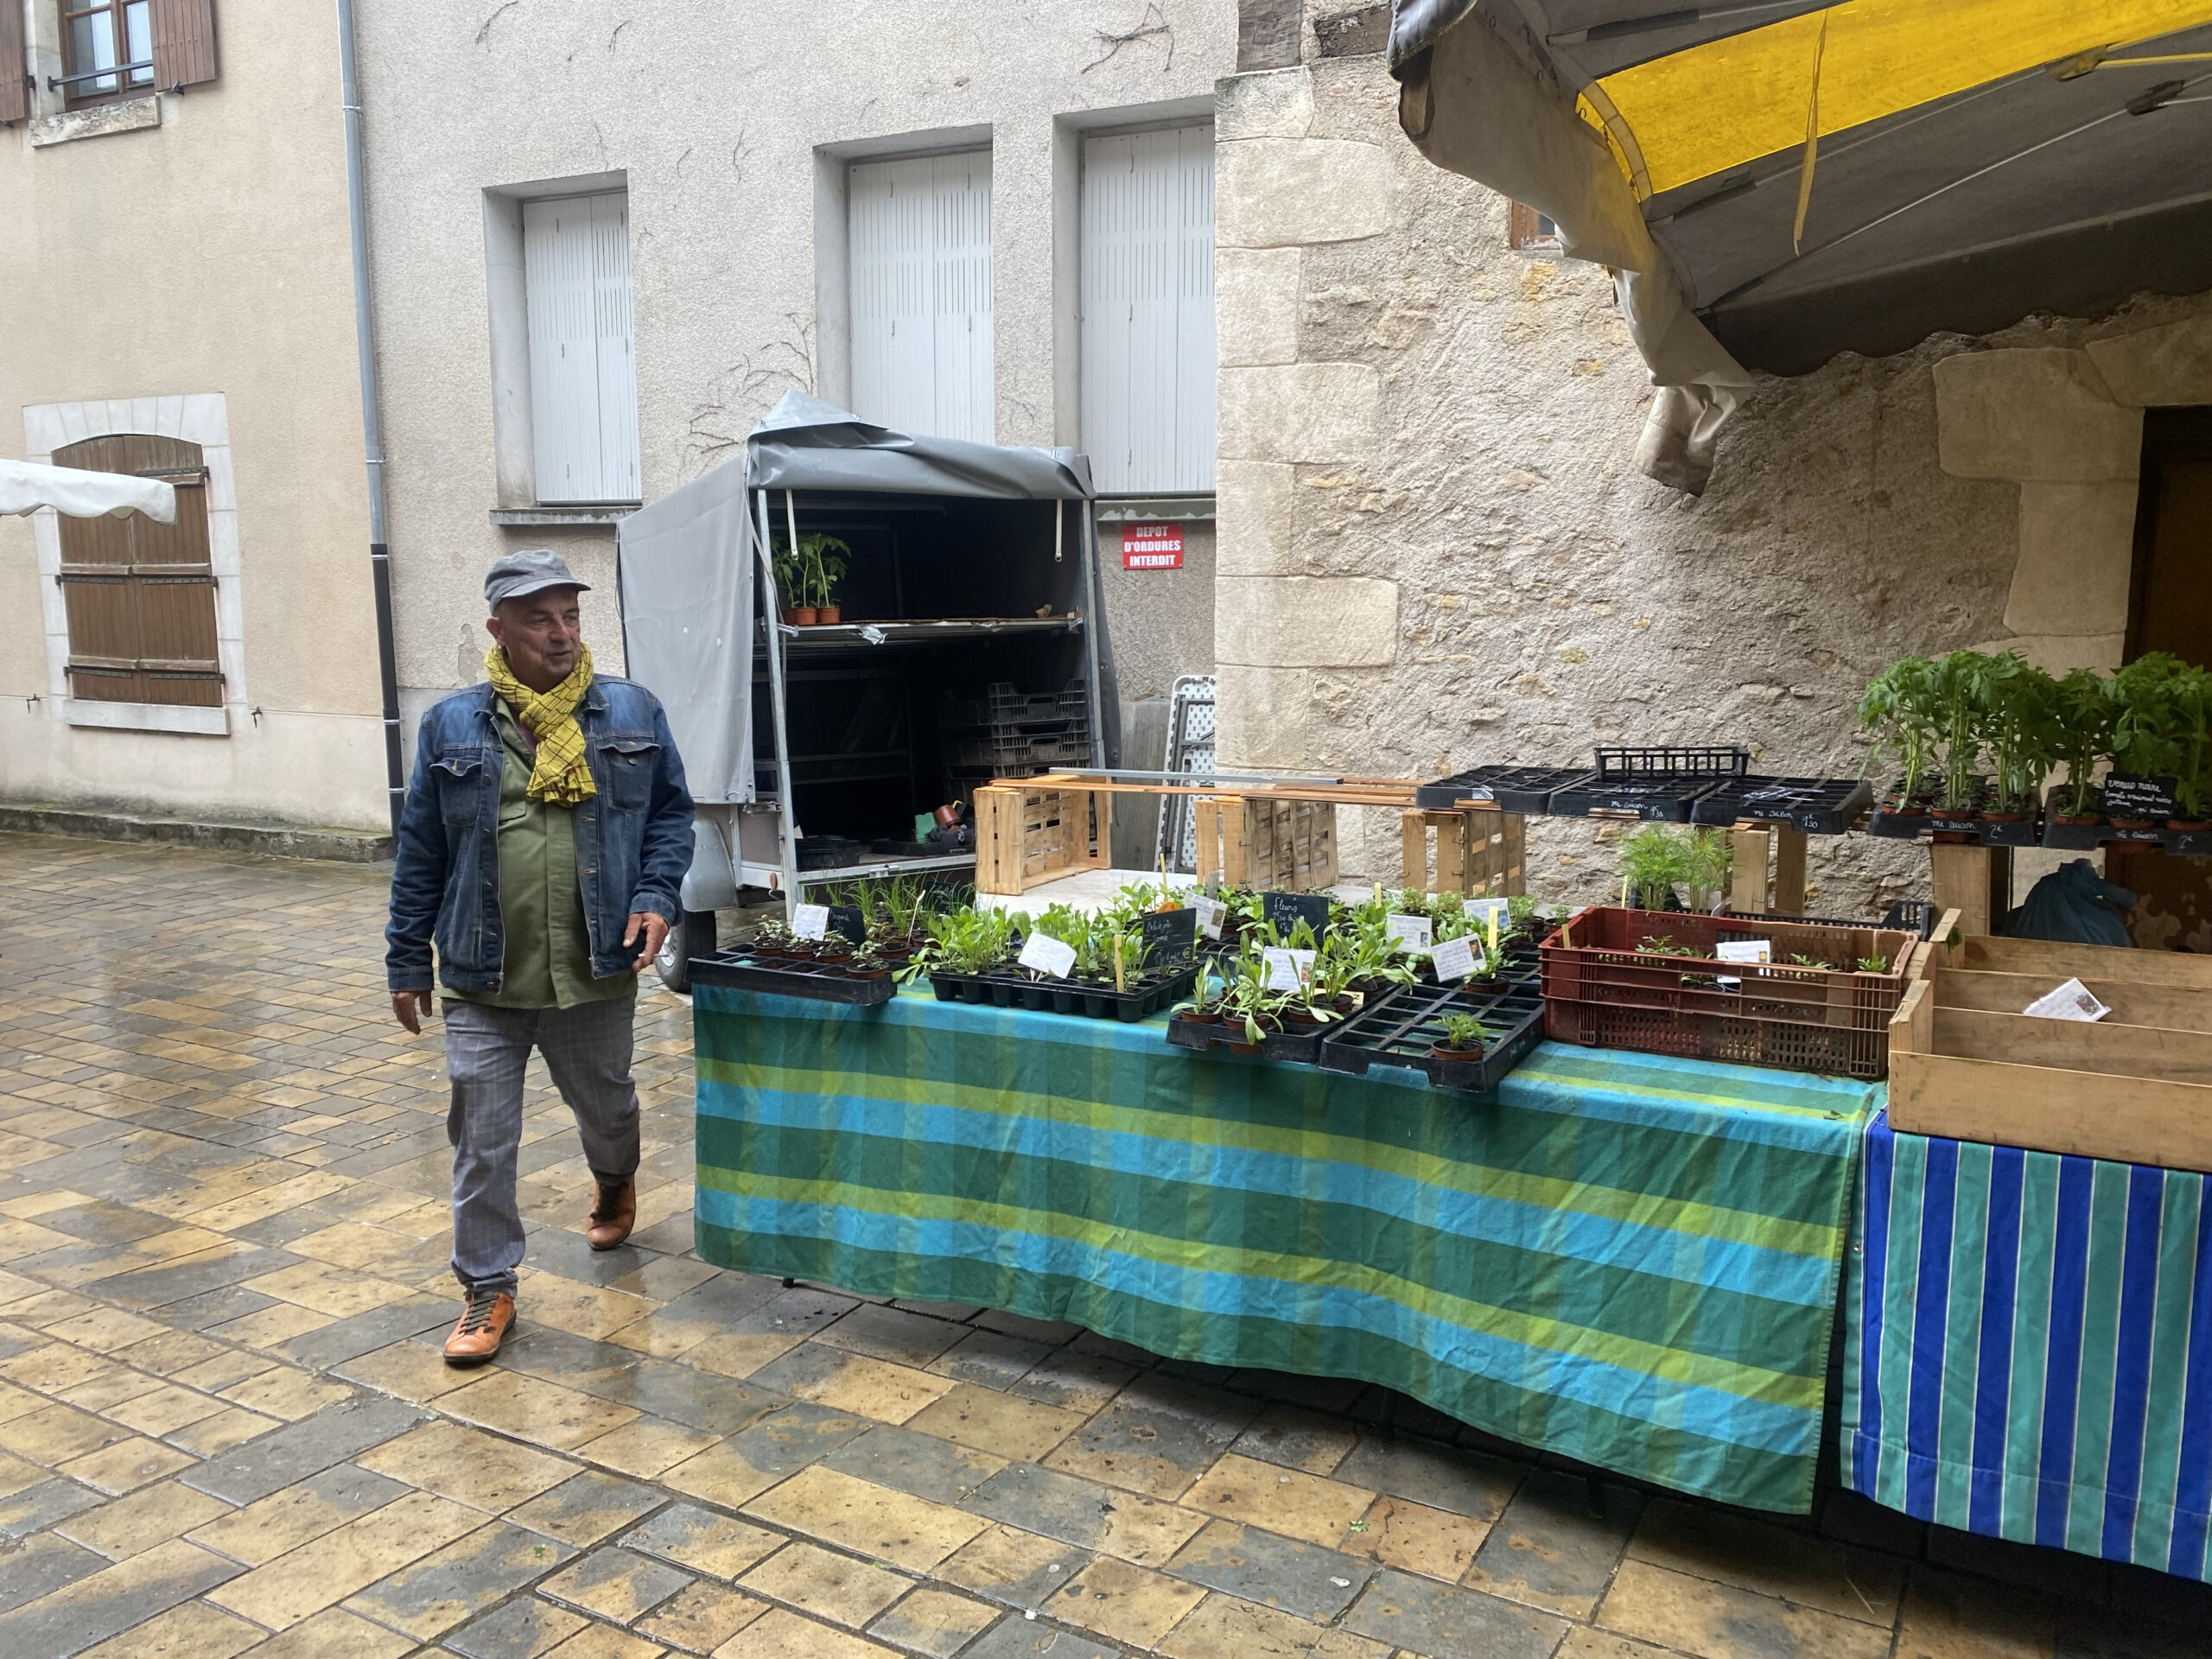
547	961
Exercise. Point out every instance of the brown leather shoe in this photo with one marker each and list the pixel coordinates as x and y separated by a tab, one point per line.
483	1326
616	1214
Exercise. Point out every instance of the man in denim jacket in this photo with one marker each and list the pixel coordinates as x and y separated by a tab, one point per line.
543	848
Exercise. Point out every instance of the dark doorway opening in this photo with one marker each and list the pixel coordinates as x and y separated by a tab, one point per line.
2169	600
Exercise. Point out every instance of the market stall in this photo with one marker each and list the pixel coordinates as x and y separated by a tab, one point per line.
1629	1261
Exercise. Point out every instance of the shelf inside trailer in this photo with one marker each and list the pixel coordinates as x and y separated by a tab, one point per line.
889	865
847	635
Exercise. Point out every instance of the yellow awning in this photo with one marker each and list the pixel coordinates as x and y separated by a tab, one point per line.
1714	107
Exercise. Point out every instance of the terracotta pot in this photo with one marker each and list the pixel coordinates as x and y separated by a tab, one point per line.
867	972
1193	1017
2188	823
2003	818
2134	823
1456	1056
827	615
788	615
2078	823
804	616
1951	814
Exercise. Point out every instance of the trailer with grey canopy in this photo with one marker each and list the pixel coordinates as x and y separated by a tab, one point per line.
811	751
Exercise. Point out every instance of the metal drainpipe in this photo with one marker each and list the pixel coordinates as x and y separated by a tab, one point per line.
364	346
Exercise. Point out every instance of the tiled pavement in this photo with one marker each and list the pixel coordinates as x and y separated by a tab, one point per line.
224	1427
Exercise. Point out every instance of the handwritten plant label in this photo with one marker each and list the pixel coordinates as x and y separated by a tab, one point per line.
1047	954
1286	910
1412	933
2128	795
1211	912
811	921
1744	949
1457	958
1168	936
1483	909
845	920
1287	970
2071	1001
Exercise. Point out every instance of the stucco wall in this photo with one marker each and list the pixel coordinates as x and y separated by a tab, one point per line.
1435	552
207	254
723	123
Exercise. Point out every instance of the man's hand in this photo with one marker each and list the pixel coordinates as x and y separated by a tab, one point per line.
654	930
412	1008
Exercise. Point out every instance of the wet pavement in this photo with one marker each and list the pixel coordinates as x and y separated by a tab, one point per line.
225	1428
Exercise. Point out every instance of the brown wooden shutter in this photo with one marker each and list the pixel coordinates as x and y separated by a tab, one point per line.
184	42
141	596
14	68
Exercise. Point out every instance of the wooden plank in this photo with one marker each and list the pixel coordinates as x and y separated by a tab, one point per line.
2172	1007
2180	969
1452	850
2133	1120
1235	841
1413	849
1788	870
1515	846
2109	1051
1976	881
1748	847
1206	824
1912	1027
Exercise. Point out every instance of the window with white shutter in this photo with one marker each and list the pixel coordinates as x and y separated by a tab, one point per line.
1147	311
583	378
920	258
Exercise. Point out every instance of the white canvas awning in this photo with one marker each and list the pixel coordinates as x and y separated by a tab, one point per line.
25	486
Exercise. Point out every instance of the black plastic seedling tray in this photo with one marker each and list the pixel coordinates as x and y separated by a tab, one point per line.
1078	997
1813	806
815	979
1514	788
1295	1047
1403	1027
1658	800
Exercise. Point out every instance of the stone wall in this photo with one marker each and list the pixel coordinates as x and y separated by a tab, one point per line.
1434	551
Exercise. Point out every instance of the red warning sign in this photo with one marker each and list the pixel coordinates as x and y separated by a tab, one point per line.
1152	546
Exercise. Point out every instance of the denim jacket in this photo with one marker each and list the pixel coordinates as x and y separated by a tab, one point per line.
633	836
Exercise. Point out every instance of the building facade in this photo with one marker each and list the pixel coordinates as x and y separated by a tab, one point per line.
1435	550
632	234
176	298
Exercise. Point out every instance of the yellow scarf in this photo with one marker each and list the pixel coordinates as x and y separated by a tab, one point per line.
560	774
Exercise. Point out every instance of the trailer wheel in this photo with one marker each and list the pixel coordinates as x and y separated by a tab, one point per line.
693	935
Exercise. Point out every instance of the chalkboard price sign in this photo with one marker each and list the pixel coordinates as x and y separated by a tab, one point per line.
1168	936
1286	910
846	920
2130	795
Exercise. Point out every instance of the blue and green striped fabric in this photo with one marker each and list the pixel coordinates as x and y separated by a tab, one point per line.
1629	1261
2030	1348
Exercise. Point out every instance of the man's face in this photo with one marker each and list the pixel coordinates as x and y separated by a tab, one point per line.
543	635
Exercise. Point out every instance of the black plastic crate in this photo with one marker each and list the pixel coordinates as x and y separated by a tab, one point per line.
1078	997
1708	761
1003	705
1293	1047
1656	799
816	980
1515	789
1400	1029
1814	806
1002	751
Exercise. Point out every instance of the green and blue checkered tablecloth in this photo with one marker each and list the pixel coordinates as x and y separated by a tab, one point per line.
2029	1351
1629	1261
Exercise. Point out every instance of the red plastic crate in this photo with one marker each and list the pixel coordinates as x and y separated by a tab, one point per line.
1833	1018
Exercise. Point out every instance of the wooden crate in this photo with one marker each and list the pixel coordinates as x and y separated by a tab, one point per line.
1478	853
1025	836
2135	1087
1279	845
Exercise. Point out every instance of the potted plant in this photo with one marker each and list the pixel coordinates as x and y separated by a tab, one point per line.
822	561
1899	708
1205	999
2148	728
2190	688
1651	862
868	962
2019	729
1246	999
1463	1039
791	588
2084	709
1705	867
1960	686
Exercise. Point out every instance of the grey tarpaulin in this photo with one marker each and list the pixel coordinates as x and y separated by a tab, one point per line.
687	623
687	596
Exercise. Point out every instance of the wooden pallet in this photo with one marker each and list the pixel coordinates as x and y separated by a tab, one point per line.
1479	852
1749	886
2135	1087
1283	846
1025	836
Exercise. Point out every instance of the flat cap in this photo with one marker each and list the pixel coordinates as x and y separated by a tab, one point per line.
531	571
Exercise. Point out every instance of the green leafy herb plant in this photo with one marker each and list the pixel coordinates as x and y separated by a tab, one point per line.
1463	1035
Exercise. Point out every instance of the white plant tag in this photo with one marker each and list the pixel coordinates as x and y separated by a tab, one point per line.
1047	954
1744	949
1456	958
1483	909
1411	932
1287	970
2071	1001
1211	912
811	921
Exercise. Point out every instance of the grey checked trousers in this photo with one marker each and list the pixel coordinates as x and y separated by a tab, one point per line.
587	1048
